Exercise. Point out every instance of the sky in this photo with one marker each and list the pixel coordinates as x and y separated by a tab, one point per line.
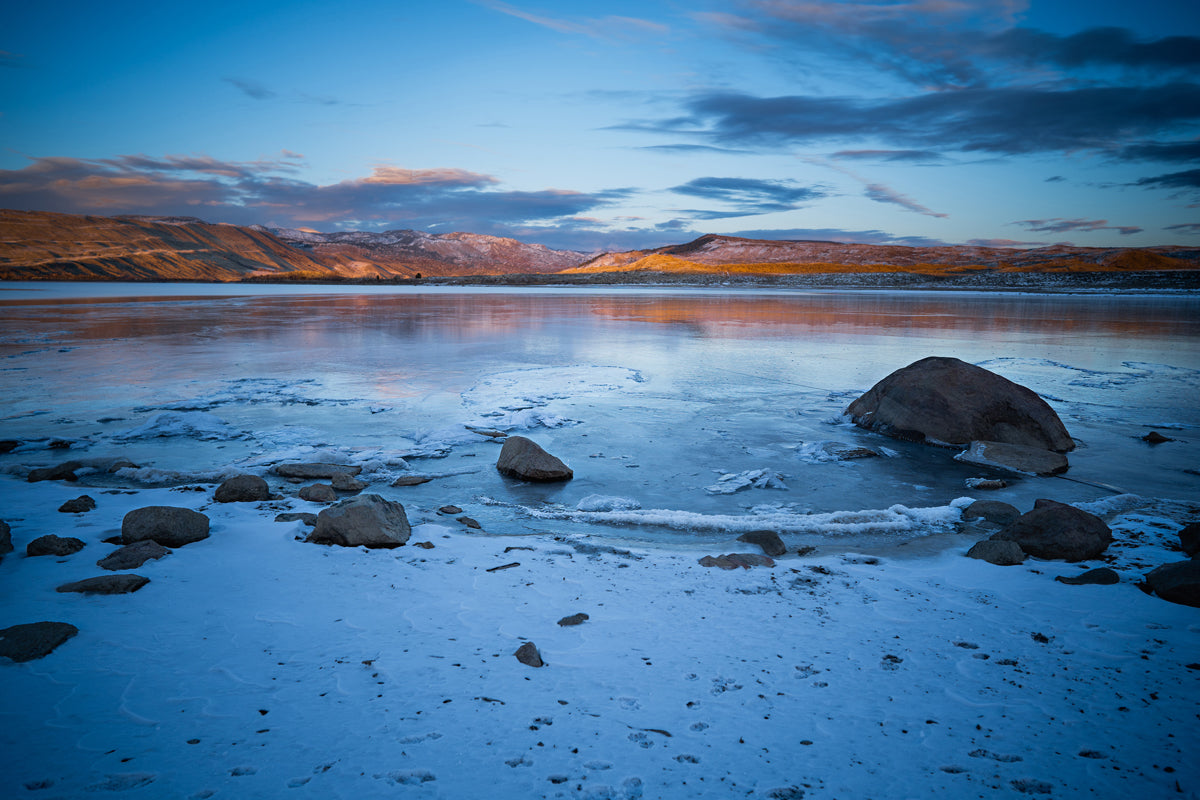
616	125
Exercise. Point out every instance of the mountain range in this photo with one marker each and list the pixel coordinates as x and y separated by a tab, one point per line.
38	245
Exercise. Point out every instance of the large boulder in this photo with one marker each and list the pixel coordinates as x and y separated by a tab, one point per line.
948	401
33	640
525	459
1058	531
363	521
167	525
1178	582
242	489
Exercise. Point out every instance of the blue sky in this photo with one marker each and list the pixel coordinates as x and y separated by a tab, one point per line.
614	125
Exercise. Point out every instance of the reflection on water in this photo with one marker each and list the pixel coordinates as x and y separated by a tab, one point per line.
648	394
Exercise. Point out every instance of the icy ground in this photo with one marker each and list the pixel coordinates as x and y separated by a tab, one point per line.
256	665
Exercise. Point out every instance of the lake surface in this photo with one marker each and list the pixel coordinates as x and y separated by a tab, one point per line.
651	396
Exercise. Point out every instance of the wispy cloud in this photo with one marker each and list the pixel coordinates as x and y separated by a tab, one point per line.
1184	227
910	156
252	89
879	192
748	196
608	28
1060	225
1187	179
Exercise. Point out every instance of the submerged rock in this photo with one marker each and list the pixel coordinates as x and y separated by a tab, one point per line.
306	517
1178	582
1002	554
34	640
51	545
78	505
367	520
412	480
528	655
735	560
311	471
132	556
1058	531
343	482
1031	460
60	472
106	584
525	459
168	525
769	541
948	401
1154	437
242	489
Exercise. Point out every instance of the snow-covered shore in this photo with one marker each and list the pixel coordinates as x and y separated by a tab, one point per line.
256	665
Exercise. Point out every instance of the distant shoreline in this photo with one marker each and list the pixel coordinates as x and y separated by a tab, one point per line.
1149	282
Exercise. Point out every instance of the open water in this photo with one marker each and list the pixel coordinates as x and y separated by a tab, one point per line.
661	400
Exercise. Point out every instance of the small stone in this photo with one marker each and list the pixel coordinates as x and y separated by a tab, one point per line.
242	489
528	655
306	517
574	619
51	545
424	545
347	483
132	556
168	525
471	523
1100	577
1154	437
986	483
60	472
106	584
6	545
318	493
411	480
1189	539
993	511
769	541
34	640
450	510
79	505
1002	554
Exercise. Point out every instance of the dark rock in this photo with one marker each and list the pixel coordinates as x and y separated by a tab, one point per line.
986	483
528	655
51	545
735	560
310	471
363	521
1032	460
992	511
1100	577
525	459
948	401
242	489
8	445
168	525
1154	437
769	541
1189	540
1002	554
6	545
132	556
1178	582
346	483
411	480
297	516
61	472
1059	531
78	506
318	493
106	584
34	640
574	619
450	510
471	523
424	545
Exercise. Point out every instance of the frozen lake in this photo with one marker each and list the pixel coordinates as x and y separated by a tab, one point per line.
651	396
